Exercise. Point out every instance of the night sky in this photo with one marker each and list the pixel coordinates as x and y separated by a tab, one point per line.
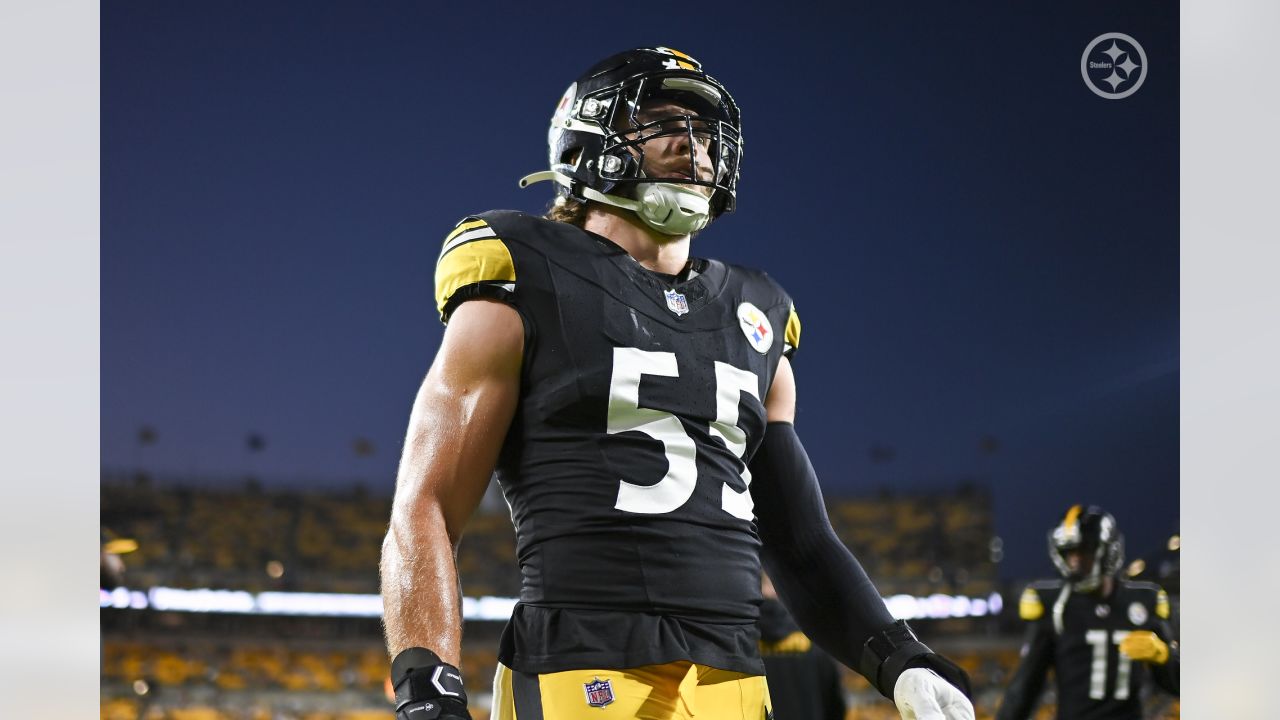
979	246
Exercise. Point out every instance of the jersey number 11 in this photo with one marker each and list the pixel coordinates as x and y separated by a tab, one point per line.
1098	671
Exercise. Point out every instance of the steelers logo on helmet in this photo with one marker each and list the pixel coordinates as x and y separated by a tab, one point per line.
648	131
755	326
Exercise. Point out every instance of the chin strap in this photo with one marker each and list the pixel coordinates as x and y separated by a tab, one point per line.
665	207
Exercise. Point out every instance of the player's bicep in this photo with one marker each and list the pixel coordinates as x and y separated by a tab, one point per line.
780	404
461	414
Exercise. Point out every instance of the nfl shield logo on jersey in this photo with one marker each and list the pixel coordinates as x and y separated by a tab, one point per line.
599	692
677	303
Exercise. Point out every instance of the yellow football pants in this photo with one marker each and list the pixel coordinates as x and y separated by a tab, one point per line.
673	691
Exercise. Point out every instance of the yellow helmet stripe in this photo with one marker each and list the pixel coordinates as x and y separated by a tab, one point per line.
1072	516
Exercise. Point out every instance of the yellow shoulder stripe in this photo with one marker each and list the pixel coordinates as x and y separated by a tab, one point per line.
463	227
1029	605
466	232
476	261
792	335
1162	605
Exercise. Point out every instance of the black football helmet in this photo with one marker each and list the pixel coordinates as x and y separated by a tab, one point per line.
1093	532
596	143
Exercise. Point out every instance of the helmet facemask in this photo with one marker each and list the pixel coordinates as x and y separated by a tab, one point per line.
640	113
604	134
1100	544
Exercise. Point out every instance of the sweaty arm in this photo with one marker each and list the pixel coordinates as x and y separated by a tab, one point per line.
1028	680
820	581
460	417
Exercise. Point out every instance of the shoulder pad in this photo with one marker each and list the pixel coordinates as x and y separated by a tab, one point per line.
474	261
1052	586
791	334
1030	607
1140	585
791	339
510	224
1143	589
1153	594
1031	604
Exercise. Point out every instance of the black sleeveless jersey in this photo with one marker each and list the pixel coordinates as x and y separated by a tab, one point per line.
625	467
1078	635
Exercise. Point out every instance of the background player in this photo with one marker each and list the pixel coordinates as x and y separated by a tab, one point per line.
1100	633
638	405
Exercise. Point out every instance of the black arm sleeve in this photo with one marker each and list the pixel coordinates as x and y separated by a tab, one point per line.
819	580
1028	681
1167	675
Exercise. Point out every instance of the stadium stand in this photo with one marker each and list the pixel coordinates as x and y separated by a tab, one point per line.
193	666
330	542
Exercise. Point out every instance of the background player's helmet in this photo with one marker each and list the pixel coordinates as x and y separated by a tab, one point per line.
596	143
1093	532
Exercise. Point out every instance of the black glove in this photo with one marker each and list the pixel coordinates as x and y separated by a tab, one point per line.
427	688
895	649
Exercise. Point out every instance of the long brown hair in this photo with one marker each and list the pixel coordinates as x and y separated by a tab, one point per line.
568	210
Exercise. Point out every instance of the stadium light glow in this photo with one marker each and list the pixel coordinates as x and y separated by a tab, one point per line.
903	607
335	604
203	600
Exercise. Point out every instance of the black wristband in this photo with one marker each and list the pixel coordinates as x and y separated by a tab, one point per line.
889	652
895	649
419	674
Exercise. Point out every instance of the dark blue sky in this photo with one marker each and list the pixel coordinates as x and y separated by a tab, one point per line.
977	244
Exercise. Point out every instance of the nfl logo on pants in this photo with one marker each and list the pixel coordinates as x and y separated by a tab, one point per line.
599	692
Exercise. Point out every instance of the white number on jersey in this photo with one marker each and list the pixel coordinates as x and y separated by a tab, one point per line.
626	415
1098	670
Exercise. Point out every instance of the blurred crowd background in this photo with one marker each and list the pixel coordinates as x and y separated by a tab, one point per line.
159	663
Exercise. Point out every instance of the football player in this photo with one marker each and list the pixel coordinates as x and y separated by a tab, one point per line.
637	404
1101	634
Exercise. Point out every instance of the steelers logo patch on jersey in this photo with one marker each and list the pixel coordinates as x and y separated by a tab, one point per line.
1137	613
756	327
